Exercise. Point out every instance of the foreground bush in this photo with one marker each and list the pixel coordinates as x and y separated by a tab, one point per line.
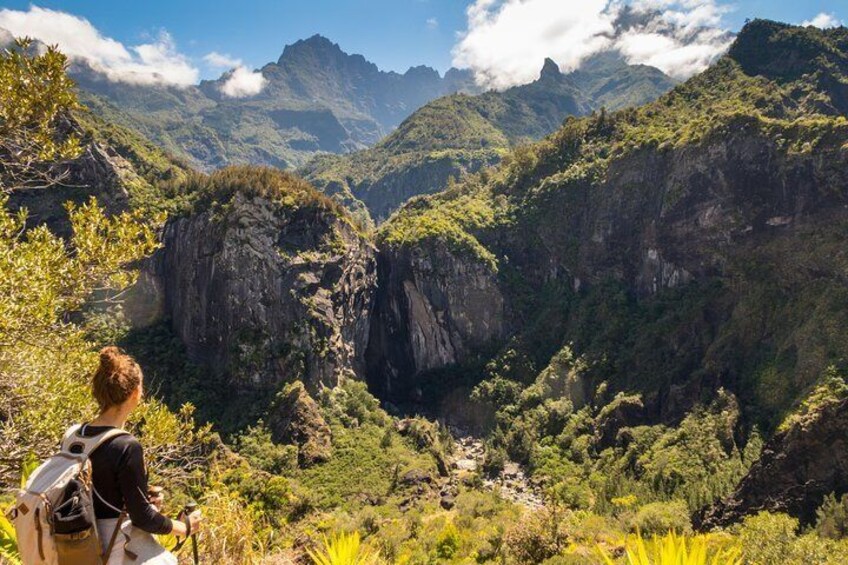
773	538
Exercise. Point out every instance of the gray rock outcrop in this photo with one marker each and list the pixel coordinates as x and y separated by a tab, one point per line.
434	307
263	294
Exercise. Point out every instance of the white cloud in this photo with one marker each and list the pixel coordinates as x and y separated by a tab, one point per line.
823	21
240	81
221	60
432	23
508	40
243	82
157	62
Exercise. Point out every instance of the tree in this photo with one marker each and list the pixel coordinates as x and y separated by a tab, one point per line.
36	97
44	279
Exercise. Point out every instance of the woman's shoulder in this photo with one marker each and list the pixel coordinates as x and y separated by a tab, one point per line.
127	440
123	441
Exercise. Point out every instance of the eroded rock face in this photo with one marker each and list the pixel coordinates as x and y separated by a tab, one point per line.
263	294
661	219
656	220
797	469
296	419
433	309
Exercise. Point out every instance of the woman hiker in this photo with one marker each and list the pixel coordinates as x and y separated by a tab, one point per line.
119	477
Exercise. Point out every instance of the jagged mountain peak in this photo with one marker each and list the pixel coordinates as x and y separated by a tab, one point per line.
422	71
314	42
550	69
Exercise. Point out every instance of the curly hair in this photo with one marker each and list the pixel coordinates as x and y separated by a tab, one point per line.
115	379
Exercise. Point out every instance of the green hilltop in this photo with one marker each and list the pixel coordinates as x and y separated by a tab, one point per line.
463	133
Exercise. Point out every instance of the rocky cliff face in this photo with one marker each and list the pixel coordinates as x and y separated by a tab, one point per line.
263	294
657	222
662	219
434	308
663	241
798	468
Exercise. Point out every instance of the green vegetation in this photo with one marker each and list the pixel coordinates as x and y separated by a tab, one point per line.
343	549
672	549
629	410
775	538
36	95
152	173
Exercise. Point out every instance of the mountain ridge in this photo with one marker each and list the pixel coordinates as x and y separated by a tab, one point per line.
316	98
461	133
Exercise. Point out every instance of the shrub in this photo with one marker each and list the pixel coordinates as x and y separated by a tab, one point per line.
447	544
773	538
832	517
662	517
494	460
536	537
256	446
229	530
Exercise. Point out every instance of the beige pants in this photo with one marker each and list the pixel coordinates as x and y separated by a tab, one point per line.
138	542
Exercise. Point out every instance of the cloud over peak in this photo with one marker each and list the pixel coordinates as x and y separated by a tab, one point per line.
240	81
221	60
508	40
243	82
156	62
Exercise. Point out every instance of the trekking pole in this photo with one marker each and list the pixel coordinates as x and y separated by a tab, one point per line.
189	508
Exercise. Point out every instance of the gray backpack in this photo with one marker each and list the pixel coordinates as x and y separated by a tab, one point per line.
54	513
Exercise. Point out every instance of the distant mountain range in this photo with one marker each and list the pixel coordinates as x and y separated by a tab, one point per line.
462	133
317	98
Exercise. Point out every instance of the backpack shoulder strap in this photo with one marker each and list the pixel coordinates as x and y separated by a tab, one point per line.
88	444
102	438
71	432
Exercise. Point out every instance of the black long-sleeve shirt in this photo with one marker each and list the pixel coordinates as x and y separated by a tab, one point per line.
120	478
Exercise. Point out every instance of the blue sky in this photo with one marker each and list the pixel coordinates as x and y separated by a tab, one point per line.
395	34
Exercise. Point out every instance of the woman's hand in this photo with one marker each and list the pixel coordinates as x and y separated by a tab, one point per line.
196	519
179	529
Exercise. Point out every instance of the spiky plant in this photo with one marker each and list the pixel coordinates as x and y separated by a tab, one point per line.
343	549
673	549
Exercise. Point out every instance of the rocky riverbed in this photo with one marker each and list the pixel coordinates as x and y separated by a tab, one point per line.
511	483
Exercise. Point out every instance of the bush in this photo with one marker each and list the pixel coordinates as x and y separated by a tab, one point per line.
662	517
494	461
447	544
538	536
832	517
255	445
773	538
